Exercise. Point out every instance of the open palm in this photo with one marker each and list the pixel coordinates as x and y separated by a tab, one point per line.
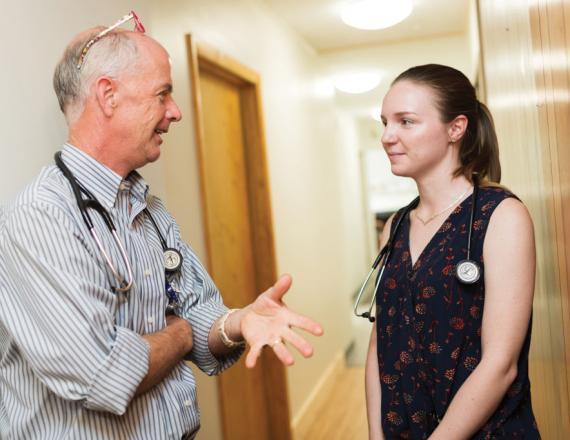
268	322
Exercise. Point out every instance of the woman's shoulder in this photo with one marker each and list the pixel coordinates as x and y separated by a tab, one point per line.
491	195
503	204
492	190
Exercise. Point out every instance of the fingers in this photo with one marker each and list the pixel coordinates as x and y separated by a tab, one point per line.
280	287
305	323
279	349
282	353
253	355
299	343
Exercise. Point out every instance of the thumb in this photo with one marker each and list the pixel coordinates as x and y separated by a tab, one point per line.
280	287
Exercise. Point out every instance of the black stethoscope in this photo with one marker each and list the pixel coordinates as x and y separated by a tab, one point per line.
172	257
466	271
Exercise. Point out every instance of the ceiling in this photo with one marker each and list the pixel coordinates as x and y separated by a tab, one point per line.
319	23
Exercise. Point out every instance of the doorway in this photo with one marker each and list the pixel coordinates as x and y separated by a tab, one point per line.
238	228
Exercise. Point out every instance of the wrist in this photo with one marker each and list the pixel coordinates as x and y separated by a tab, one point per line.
229	328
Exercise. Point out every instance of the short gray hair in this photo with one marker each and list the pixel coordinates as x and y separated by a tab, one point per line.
113	54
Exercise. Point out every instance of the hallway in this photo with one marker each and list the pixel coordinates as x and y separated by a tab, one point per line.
342	414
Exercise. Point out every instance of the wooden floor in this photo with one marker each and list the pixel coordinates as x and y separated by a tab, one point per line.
342	416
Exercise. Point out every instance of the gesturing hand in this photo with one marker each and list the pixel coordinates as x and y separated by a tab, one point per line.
268	321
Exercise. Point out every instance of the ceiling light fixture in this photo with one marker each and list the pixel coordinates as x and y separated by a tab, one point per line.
357	82
376	14
376	113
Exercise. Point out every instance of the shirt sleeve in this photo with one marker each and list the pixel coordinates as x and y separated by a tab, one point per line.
202	305
59	314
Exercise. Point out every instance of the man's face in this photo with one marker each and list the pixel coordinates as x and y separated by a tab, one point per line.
145	107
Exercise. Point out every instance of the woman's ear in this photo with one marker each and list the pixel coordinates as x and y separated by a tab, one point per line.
456	128
105	92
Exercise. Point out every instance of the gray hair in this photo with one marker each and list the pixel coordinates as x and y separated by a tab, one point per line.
113	54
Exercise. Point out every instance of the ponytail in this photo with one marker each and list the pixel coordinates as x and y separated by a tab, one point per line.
479	152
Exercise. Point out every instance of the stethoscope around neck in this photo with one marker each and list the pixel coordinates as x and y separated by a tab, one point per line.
466	271
172	257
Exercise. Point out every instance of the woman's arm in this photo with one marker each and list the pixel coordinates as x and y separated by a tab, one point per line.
509	256
372	382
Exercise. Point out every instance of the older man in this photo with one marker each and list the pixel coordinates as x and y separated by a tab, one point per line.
100	299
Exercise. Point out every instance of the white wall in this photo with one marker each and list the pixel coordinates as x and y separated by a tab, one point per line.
316	202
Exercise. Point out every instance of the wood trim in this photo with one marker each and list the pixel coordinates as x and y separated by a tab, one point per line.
308	415
218	63
196	97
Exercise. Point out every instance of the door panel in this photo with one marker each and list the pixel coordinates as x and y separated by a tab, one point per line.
230	242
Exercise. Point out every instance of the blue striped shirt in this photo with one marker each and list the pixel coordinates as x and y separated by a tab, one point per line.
71	351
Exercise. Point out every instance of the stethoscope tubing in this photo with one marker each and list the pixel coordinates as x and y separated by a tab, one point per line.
385	253
93	203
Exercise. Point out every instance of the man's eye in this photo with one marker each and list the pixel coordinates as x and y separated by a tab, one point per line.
407	122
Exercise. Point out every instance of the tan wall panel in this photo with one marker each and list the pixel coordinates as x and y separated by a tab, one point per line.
525	48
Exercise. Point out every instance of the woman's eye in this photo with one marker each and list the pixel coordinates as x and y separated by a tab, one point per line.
406	122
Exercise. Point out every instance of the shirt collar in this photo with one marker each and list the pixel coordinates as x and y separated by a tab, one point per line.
102	181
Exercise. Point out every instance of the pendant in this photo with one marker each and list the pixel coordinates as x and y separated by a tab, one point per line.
172	260
467	271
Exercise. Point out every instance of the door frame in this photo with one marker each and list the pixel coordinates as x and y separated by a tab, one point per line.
214	62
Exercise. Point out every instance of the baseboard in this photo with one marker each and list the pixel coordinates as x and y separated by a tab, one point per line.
308	413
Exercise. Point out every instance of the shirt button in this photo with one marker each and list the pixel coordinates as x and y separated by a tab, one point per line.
187	403
147	272
150	320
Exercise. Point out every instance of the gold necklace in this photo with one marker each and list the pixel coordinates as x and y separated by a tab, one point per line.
437	214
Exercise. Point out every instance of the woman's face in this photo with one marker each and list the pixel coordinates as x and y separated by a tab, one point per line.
415	139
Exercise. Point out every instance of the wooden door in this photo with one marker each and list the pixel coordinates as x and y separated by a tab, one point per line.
239	238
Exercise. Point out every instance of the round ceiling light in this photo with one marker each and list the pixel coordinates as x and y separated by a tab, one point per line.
357	82
376	14
376	113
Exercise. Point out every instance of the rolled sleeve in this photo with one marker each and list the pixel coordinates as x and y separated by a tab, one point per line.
202	318
120	374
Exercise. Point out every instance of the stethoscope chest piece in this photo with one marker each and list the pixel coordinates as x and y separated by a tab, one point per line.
172	260
467	271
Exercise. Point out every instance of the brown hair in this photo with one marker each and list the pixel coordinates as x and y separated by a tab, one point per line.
479	149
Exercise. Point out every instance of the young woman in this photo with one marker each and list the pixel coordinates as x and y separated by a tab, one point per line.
448	357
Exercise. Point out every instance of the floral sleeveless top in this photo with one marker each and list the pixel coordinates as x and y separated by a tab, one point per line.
429	331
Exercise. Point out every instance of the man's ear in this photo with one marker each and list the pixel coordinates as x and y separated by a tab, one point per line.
106	94
456	128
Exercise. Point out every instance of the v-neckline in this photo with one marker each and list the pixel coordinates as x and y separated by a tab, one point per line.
413	265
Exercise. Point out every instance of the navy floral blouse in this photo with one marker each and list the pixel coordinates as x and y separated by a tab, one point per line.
429	331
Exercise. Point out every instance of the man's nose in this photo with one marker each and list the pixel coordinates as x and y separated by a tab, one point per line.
173	113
